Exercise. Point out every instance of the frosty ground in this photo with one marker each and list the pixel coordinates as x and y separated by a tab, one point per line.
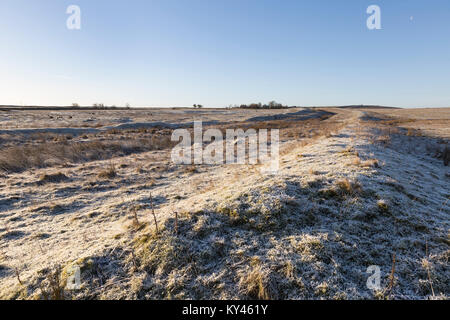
355	188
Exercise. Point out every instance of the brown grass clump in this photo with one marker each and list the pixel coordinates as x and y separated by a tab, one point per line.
109	173
322	289
356	161
55	287
191	169
383	140
140	169
113	131
383	206
414	132
52	178
347	187
256	285
370	163
349	151
135	217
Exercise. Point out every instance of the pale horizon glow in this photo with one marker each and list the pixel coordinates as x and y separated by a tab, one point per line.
176	53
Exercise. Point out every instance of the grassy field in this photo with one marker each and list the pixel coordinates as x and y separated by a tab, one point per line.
97	189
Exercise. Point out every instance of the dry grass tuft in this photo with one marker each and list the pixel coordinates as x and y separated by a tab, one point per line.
191	169
356	161
392	275
347	187
55	287
370	163
322	289
349	151
109	173
136	222
384	140
257	285
52	178
383	206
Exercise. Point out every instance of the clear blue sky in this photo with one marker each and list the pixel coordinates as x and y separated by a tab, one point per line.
222	52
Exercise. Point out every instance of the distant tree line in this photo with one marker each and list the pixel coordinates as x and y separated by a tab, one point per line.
270	105
100	106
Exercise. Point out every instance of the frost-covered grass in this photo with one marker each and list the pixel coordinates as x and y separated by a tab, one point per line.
309	232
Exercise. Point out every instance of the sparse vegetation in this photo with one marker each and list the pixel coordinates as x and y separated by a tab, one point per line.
383	206
55	287
370	163
350	151
348	187
256	284
109	173
110	201
52	178
22	157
